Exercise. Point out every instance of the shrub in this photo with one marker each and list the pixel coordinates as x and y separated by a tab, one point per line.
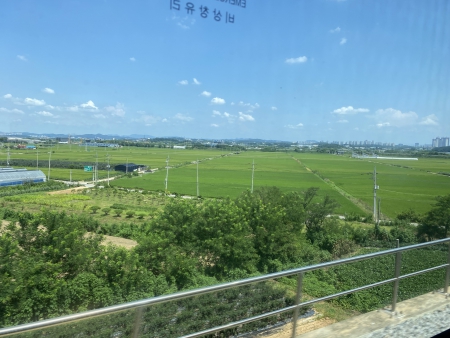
106	211
130	213
118	212
141	215
94	208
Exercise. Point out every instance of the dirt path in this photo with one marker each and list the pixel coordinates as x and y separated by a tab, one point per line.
119	241
66	191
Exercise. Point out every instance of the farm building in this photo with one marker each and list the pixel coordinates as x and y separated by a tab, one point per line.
10	176
129	167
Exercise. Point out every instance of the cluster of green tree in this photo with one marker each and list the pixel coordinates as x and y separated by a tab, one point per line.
30	187
50	267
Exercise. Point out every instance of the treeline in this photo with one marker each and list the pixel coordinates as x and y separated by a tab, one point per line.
58	164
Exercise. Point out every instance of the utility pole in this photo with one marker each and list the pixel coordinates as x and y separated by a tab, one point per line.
37	159
49	164
379	210
96	167
167	171
7	158
107	168
375	188
198	193
253	173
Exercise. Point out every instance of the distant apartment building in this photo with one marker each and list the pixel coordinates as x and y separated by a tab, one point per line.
440	142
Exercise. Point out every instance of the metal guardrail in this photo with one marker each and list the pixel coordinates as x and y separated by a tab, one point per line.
139	305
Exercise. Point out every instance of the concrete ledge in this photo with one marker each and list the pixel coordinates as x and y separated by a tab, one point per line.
375	320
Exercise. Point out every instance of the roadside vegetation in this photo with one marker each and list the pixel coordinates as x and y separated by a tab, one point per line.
50	267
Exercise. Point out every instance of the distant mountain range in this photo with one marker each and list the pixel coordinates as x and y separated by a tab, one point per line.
132	137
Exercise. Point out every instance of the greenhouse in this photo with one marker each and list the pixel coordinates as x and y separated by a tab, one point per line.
10	176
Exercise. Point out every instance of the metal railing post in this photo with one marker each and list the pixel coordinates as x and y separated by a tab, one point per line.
137	322
298	299
447	274
398	265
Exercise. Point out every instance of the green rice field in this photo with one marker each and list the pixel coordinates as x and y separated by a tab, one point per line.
403	184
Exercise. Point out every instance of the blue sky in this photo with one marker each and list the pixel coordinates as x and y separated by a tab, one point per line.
288	70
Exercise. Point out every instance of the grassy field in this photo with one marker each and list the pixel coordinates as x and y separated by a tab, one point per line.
400	188
231	175
403	184
152	157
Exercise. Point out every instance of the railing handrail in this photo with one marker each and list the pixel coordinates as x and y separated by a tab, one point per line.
224	286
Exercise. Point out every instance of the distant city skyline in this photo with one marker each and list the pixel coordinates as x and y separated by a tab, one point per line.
16	135
291	70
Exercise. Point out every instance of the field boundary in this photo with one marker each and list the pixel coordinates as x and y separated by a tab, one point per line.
360	204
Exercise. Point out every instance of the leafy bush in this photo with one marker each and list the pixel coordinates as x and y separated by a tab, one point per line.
94	208
141	215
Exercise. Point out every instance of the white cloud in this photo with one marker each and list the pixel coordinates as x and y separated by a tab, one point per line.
217	100
88	105
45	113
182	117
34	102
300	59
245	117
214	125
72	109
430	120
206	94
49	106
297	126
216	113
232	103
99	116
48	91
7	96
184	23
183	82
343	41
249	105
336	30
226	114
196	82
21	57
132	59
342	121
349	111
164	120
14	111
147	120
274	108
117	110
394	118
